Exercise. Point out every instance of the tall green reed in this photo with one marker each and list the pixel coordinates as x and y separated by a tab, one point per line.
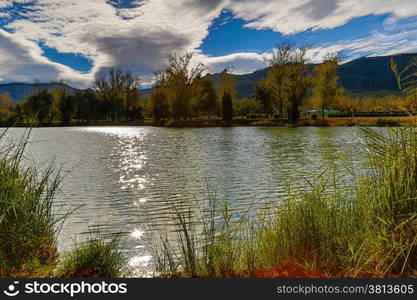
28	224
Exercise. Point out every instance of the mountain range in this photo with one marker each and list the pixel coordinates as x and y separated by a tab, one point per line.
359	76
20	91
363	75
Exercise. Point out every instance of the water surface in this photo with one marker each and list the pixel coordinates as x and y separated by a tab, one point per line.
125	177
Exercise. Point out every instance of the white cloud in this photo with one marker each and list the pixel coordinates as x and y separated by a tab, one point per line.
241	63
6	3
9	3
289	17
380	43
140	37
101	32
22	61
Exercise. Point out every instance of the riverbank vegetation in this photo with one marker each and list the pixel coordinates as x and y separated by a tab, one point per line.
94	258
367	228
30	224
294	89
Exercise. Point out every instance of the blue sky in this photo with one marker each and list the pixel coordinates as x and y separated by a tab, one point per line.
76	39
228	35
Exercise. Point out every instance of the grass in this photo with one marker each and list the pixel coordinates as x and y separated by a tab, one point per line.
27	223
30	224
198	249
95	258
366	229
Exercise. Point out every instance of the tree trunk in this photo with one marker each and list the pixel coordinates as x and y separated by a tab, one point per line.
294	114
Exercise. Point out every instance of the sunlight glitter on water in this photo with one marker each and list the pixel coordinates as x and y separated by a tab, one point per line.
137	234
140	202
119	131
141	266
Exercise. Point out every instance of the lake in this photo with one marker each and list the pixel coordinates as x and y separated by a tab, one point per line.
124	178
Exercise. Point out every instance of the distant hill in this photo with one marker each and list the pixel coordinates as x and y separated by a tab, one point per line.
145	92
359	77
372	73
20	91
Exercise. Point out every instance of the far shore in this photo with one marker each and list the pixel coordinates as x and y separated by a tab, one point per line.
243	122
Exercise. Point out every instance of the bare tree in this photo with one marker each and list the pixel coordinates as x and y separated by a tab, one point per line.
119	90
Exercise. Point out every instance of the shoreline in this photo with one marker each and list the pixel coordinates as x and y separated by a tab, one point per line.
238	122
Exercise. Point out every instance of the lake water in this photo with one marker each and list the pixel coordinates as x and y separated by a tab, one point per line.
125	177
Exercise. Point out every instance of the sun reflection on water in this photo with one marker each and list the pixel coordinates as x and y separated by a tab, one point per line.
141	265
140	202
137	234
130	150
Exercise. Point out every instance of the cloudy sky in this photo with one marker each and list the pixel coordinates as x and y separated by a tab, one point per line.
73	40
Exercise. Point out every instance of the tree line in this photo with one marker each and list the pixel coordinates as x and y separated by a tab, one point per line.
183	90
115	98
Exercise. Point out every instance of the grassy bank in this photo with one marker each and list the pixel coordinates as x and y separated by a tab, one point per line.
29	225
364	229
241	122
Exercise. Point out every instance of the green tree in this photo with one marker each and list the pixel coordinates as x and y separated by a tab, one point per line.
326	88
227	107
264	95
22	112
89	107
227	84
277	81
296	83
288	80
133	105
159	104
66	102
40	105
244	107
206	97
116	89
6	106
179	80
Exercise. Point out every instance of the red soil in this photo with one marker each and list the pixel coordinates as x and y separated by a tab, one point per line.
290	270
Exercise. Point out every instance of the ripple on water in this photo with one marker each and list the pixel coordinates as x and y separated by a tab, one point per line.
125	177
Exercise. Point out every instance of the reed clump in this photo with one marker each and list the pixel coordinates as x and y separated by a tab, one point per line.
94	258
28	225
